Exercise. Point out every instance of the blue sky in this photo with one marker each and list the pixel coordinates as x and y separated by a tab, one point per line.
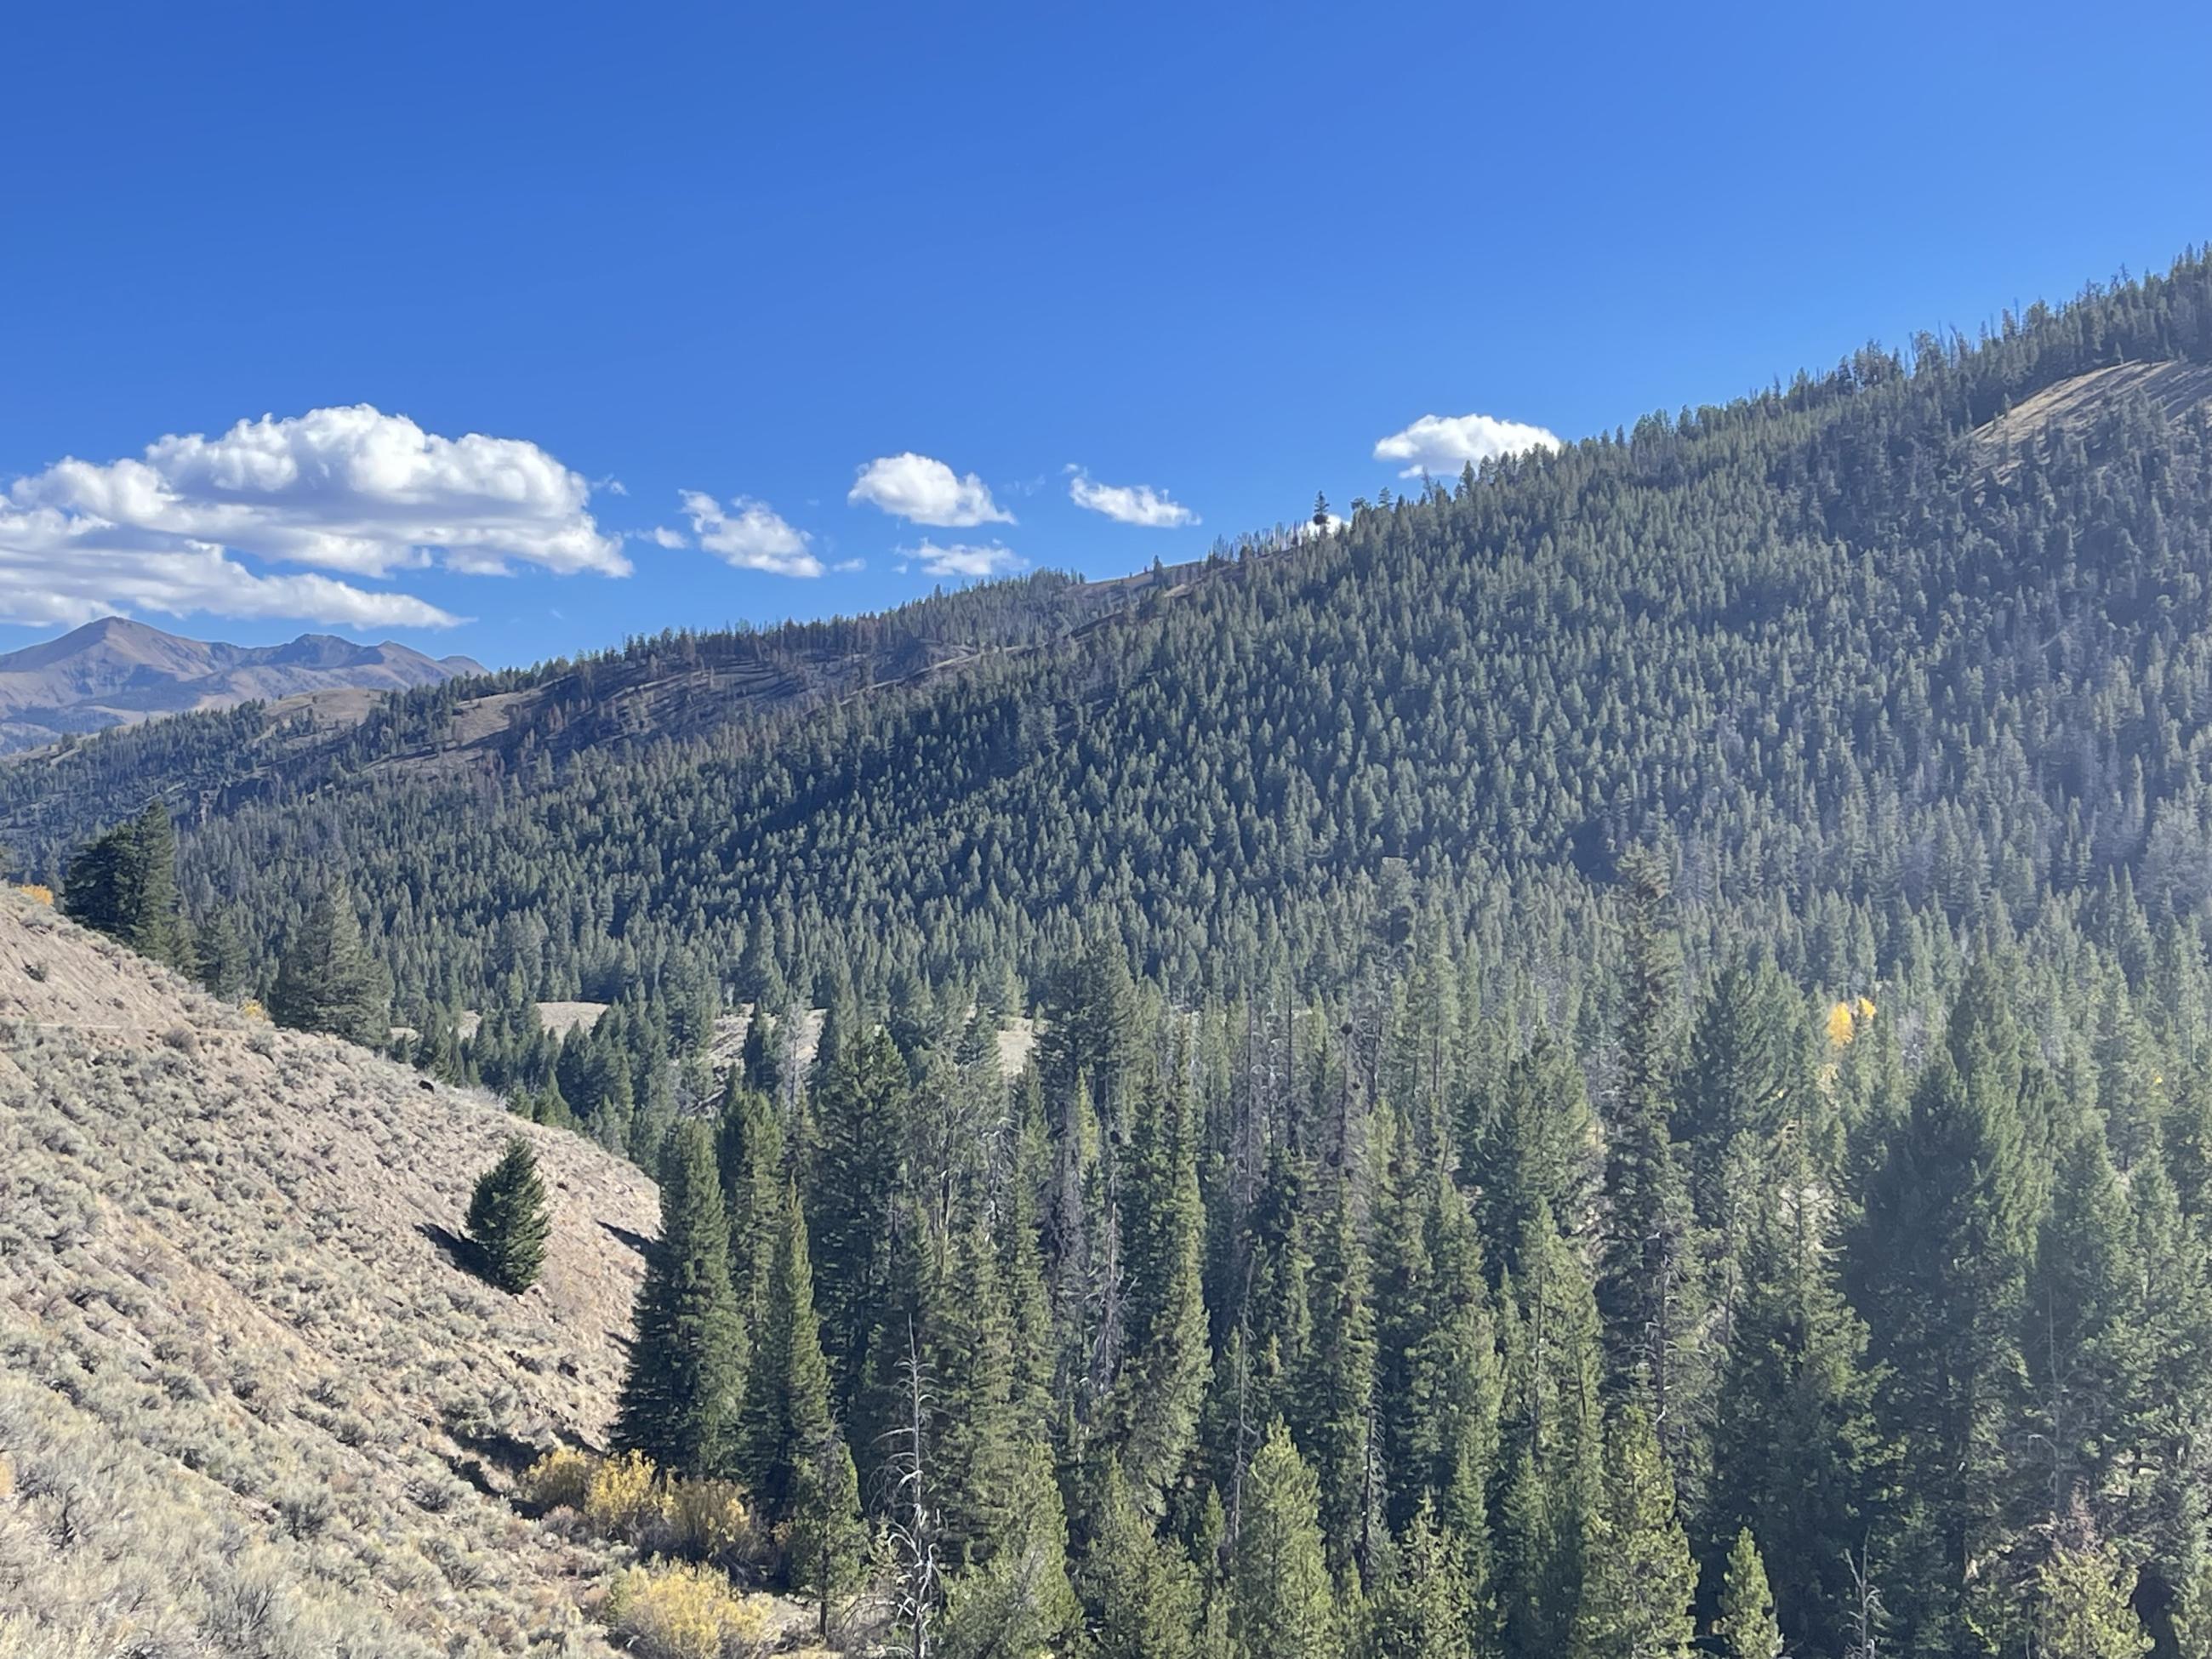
734	255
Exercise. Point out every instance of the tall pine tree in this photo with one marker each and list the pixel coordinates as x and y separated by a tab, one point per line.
680	1395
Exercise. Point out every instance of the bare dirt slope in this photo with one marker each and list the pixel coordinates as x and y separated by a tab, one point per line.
250	1402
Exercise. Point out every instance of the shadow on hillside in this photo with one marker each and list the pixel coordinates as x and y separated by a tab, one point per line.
637	1241
463	1252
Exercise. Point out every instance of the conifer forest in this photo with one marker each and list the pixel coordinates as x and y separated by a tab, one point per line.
1607	1058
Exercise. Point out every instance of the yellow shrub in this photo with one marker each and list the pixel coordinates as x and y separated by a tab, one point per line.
686	1613
38	892
559	1479
709	1519
624	1497
252	1009
7	1480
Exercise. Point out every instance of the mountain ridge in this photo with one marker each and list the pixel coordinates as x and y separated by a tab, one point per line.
118	671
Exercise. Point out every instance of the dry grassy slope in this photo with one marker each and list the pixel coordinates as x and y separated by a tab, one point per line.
2070	407
248	1401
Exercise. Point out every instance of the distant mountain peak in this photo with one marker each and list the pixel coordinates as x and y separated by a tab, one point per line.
118	670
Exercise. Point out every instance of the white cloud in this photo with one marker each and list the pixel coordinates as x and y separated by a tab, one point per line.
69	568
850	565
352	489
925	491
750	534
1445	443
1137	504
662	536
347	489
965	559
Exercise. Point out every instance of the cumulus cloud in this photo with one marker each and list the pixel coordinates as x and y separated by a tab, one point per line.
66	568
1137	504
1445	443
921	490
350	490
662	536
749	534
965	559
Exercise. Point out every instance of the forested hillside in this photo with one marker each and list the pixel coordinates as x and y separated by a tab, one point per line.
1621	1047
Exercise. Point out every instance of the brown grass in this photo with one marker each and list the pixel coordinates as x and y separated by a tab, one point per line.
250	1402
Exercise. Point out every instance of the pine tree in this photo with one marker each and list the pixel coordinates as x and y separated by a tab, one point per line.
1747	1626
1534	1148
1638	1579
2088	1354
1651	1287
750	1153
124	883
1942	1253
824	1539
2083	1605
156	928
1798	1456
325	980
101	887
509	1219
787	1419
1142	1593
854	1193
680	1394
1282	1602
1162	1388
219	959
1333	1395
1018	1602
1427	1606
977	1448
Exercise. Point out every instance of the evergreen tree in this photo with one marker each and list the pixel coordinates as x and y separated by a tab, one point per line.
1335	1394
156	923
124	883
1162	1388
325	980
1942	1253
1747	1626
1142	1594
823	1538
1018	1603
680	1393
1427	1606
2087	1350
1551	1435
1651	1289
976	1446
509	1219
1638	1579
1281	1603
855	1196
750	1153
1798	1456
1534	1148
2083	1606
786	1419
219	959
